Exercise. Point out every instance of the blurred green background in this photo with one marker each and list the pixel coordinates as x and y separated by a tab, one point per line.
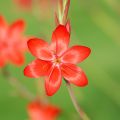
95	23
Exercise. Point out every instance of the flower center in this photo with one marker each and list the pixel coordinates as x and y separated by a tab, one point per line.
57	60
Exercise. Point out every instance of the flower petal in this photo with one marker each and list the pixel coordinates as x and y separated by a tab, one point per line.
52	111
74	74
76	54
3	23
37	68
35	111
39	48
60	40
24	4
53	81
16	29
16	57
2	61
3	27
22	44
68	26
40	111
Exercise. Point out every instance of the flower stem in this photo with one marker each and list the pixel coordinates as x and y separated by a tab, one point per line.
23	91
41	91
81	113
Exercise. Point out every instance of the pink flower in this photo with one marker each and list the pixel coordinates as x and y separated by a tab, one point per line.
37	111
12	43
56	60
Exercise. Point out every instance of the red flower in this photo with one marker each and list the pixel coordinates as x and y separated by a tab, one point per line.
57	60
47	6
39	111
12	44
25	4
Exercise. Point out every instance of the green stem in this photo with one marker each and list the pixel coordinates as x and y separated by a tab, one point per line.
79	110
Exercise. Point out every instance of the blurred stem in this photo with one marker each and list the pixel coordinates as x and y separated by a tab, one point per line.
41	91
23	91
81	113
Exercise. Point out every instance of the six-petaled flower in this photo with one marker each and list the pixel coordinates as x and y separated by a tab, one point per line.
12	43
39	111
56	60
25	4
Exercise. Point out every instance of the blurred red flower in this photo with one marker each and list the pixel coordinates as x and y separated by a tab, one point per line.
25	4
47	6
38	111
12	43
57	60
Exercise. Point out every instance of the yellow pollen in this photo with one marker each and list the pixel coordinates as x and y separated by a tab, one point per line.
57	60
